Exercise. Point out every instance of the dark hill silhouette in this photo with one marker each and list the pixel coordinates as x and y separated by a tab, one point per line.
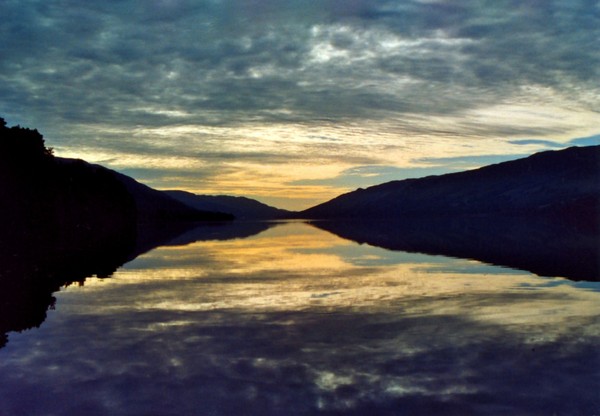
153	205
150	205
74	204
241	207
39	187
562	184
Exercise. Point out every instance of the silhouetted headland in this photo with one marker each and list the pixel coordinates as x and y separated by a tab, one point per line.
563	185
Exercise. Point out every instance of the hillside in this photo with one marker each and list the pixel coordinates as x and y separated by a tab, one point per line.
72	202
155	205
149	204
241	207
564	183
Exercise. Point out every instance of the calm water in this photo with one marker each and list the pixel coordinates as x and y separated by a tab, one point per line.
295	320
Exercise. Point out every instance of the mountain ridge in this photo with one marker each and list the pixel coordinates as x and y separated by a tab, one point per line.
241	207
562	183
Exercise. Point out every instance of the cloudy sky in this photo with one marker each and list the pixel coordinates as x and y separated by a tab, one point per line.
293	102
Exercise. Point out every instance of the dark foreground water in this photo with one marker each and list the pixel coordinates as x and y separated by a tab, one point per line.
295	320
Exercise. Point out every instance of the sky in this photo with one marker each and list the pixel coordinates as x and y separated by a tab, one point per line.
294	102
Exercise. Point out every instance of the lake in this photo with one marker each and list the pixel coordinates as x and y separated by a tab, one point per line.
292	319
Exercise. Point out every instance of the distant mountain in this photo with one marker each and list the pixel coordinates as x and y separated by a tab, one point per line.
564	183
158	205
241	207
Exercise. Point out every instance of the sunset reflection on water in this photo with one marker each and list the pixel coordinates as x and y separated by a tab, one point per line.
296	319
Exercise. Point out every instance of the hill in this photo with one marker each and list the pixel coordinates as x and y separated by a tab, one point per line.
72	202
564	183
42	186
241	207
149	204
153	205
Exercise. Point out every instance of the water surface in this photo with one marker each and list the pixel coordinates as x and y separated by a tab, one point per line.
295	320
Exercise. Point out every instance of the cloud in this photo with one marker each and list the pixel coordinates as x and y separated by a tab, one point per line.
581	141
369	175
468	162
95	61
545	143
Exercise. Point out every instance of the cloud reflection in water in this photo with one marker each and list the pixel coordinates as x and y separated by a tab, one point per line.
290	321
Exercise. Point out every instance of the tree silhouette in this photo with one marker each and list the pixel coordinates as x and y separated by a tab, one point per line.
22	145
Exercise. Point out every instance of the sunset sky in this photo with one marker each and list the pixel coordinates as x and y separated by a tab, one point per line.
294	102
